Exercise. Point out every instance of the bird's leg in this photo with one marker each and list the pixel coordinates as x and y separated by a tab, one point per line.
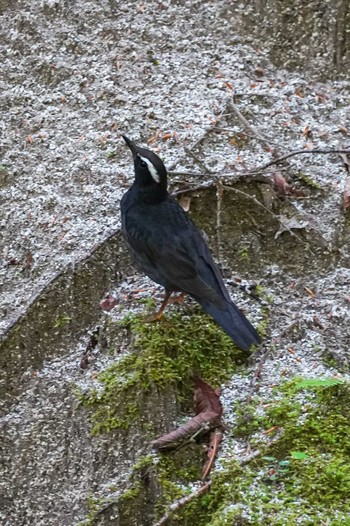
179	299
165	302
158	315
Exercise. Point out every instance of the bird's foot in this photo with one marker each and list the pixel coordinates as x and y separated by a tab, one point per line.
156	316
179	300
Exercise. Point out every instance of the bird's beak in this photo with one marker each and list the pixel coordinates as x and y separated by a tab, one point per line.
131	145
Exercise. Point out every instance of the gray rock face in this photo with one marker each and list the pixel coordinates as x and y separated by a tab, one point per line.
73	75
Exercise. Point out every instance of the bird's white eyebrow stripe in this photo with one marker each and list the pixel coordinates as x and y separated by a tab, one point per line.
151	168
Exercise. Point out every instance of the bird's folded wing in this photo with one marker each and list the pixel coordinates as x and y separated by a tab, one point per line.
186	264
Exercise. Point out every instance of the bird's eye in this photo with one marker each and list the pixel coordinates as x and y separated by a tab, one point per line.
143	163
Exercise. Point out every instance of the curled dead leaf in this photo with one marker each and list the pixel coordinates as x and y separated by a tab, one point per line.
291	223
346	160
215	440
346	194
208	416
307	132
281	184
185	202
343	130
108	303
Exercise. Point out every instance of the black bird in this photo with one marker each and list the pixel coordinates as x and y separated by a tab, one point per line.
169	248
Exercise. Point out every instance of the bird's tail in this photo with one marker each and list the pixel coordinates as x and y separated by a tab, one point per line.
234	323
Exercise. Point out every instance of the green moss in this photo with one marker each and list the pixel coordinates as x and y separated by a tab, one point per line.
131	493
165	353
61	321
304	477
244	254
308	180
94	506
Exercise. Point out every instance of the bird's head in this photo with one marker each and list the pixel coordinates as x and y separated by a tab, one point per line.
149	168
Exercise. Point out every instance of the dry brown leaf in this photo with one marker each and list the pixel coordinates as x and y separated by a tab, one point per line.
215	441
185	202
346	194
343	130
307	132
346	160
310	293
321	97
208	416
271	430
259	71
233	141
108	303
291	223
281	184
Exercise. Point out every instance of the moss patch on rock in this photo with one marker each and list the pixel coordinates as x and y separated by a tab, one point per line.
164	353
301	477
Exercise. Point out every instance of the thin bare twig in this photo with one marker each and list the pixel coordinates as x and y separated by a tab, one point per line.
255	200
299	152
193	189
233	108
219	197
198	492
200	163
257	374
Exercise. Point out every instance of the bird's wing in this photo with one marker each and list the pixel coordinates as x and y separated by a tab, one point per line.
183	260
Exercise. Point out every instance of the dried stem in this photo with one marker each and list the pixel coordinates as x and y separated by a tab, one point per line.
233	108
198	492
299	152
255	200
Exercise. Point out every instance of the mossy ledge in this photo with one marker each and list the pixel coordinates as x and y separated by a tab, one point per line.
164	353
160	364
302	475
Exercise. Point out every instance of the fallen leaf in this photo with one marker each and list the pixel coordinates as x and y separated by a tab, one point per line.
310	293
346	194
108	303
307	132
299	92
271	430
208	410
291	223
30	139
343	130
346	160
215	441
281	184
259	71
229	85
166	136
233	141
185	202
321	97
